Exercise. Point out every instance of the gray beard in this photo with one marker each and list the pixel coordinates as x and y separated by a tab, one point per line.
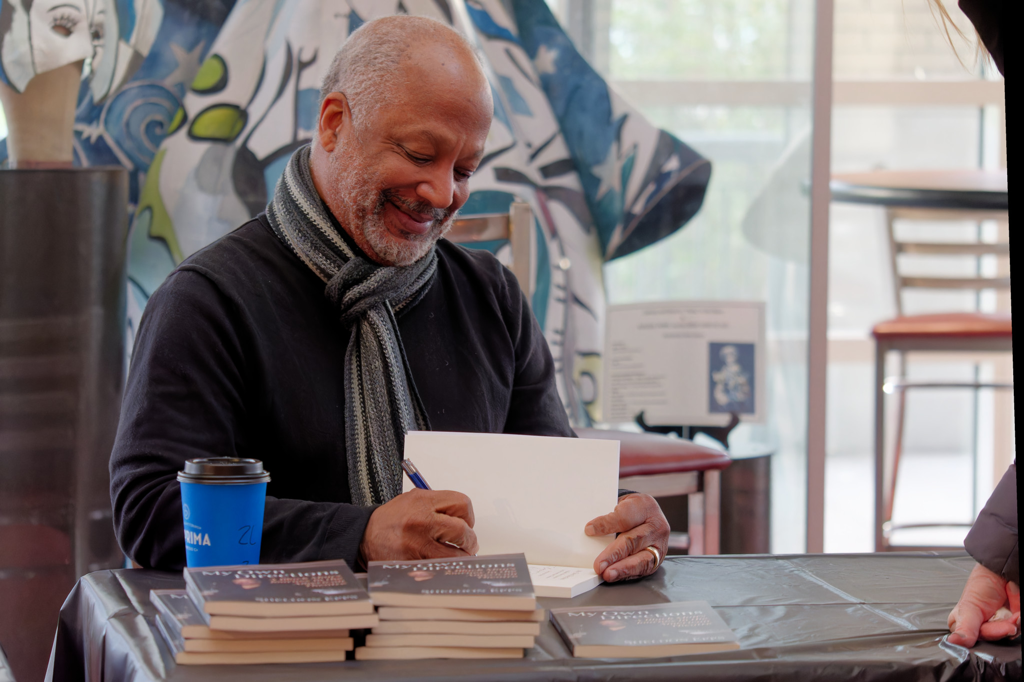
362	205
400	252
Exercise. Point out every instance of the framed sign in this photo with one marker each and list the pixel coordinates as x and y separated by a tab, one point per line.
685	362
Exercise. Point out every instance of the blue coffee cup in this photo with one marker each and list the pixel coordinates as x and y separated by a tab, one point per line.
222	502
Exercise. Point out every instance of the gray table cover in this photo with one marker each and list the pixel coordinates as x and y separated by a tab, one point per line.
824	617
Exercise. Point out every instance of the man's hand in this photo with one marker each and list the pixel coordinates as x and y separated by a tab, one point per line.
640	524
984	595
420	524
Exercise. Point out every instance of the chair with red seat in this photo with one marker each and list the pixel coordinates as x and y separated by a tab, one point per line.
665	467
955	332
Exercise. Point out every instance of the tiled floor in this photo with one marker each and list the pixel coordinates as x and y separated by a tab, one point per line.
931	488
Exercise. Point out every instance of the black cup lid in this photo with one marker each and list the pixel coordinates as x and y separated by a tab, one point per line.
224	470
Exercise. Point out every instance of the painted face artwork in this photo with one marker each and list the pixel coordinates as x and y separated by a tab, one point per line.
37	36
63	32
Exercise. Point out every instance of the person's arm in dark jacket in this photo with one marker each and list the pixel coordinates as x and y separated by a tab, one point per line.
989	607
993	539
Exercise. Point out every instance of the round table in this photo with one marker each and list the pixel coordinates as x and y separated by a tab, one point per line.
970	189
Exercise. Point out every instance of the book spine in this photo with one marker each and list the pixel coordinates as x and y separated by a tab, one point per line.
564	635
167	617
159	605
190	583
175	644
197	599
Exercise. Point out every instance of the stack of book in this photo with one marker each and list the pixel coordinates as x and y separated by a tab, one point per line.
469	607
286	613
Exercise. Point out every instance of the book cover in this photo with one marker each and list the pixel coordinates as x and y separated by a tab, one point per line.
468	641
474	615
315	588
454	627
499	582
562	582
382	653
643	631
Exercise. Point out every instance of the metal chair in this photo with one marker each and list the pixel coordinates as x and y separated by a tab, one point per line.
966	332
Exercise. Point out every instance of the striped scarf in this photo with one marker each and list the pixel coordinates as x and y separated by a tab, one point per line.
381	402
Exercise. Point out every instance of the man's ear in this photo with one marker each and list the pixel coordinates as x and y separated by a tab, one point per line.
335	115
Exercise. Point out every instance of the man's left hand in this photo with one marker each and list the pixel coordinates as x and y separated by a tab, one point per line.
640	524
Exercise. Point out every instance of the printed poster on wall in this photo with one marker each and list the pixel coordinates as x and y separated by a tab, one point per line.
690	363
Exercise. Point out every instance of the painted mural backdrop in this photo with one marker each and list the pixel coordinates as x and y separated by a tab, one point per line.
206	123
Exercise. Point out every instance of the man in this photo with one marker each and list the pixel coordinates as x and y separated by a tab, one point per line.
316	335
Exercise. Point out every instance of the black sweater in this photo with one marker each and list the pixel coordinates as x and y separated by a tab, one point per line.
240	354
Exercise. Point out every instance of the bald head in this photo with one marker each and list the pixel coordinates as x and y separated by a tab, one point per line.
404	117
383	57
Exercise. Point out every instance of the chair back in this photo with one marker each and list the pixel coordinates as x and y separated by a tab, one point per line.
976	249
516	226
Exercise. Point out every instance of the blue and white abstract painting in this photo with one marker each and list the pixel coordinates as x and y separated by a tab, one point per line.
228	89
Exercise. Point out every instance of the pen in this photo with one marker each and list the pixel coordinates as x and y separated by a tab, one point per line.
414	474
417	480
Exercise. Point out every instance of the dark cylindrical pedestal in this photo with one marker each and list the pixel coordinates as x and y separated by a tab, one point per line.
746	502
63	242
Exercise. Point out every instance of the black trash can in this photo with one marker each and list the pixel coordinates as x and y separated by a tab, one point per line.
63	247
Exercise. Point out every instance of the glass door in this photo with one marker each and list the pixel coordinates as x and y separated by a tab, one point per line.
733	79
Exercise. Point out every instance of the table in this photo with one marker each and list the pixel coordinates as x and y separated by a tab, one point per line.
835	617
967	190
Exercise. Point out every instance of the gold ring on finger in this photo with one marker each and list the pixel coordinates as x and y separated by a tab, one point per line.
657	555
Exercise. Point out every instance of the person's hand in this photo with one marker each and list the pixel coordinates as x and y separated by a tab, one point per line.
420	524
640	524
984	596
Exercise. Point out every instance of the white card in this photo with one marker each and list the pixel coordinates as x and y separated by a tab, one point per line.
530	494
685	362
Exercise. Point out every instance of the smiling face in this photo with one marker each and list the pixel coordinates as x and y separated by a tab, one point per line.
395	181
